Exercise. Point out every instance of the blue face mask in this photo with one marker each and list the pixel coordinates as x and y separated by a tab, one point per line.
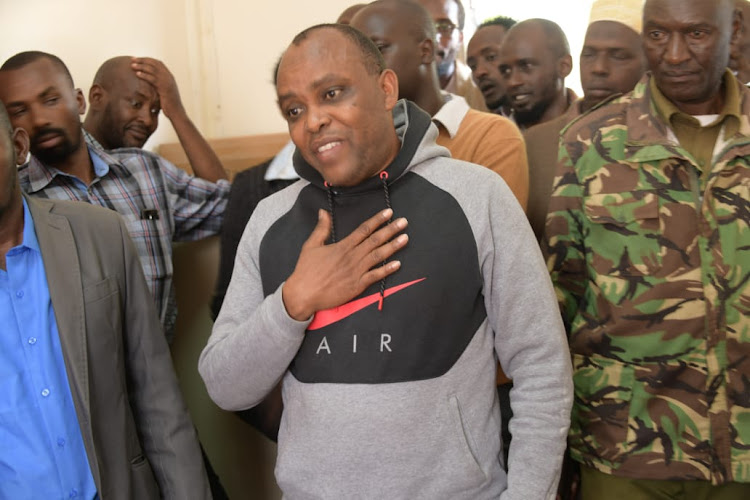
446	67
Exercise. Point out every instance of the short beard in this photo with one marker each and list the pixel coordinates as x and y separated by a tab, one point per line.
530	117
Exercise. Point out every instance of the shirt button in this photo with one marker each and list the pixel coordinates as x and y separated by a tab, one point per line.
45	392
32	340
60	442
73	493
19	294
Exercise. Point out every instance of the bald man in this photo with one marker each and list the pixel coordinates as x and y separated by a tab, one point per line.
534	62
648	244
405	33
612	61
349	13
124	104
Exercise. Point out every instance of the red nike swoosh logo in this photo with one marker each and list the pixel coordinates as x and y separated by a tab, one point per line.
330	316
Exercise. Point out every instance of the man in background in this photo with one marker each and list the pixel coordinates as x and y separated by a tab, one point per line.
90	404
534	62
648	243
158	201
483	58
124	104
611	63
449	17
404	33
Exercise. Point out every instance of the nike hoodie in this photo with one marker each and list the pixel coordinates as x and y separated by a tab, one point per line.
398	400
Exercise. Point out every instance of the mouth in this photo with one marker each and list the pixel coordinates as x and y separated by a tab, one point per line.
327	149
48	140
520	100
599	92
138	133
487	87
678	76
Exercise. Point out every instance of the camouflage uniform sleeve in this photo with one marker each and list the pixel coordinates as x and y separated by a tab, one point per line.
563	245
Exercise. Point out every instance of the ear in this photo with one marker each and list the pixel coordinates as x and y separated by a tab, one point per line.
389	84
81	101
737	29
97	96
564	66
427	51
21	145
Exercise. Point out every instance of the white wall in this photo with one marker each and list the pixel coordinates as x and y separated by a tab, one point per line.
222	52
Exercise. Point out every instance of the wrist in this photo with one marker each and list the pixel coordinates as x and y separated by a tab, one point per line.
294	302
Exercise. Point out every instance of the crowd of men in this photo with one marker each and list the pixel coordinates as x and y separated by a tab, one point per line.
458	280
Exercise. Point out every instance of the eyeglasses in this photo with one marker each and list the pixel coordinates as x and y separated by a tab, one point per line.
445	27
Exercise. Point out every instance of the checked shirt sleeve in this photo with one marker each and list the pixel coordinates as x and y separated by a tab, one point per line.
197	204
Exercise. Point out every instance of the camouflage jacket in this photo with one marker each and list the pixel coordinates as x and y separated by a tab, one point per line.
651	263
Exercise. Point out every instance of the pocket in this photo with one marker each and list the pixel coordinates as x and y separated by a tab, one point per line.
466	443
100	290
626	228
143	482
599	421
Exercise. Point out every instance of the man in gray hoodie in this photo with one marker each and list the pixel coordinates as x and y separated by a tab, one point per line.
387	342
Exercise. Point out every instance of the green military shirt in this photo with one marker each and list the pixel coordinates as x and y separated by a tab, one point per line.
651	263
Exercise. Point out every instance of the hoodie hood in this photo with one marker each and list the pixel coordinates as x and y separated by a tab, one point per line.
413	126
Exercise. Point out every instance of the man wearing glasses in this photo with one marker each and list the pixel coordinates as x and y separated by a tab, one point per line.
455	75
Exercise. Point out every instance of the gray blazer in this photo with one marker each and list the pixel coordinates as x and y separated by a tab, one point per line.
138	435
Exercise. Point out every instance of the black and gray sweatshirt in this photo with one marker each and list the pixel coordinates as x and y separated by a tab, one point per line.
400	401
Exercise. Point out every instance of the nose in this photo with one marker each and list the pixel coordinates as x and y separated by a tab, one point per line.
513	79
600	65
479	72
676	51
316	119
146	116
38	117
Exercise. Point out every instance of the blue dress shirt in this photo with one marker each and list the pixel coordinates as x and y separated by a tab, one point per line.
41	449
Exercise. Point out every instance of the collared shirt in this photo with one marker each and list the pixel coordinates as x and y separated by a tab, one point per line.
42	453
692	132
159	202
461	83
282	166
451	113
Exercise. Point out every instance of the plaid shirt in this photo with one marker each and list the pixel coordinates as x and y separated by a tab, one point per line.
159	202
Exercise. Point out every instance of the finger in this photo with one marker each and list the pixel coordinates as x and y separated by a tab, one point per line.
321	232
378	255
383	235
368	227
379	273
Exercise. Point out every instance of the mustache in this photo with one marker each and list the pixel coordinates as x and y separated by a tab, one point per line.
45	131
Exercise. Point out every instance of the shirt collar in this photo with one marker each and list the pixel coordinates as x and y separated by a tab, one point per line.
282	166
41	175
452	113
29	233
668	111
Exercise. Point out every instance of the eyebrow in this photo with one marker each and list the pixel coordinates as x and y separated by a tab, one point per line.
315	84
43	93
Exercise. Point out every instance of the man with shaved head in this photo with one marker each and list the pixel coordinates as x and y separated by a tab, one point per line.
534	62
385	335
349	13
159	202
404	33
124	104
648	243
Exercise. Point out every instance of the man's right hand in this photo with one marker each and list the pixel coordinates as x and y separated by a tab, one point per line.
327	276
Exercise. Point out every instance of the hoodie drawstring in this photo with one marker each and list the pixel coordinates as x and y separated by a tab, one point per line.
329	189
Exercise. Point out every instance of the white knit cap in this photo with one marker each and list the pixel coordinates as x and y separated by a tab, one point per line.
627	12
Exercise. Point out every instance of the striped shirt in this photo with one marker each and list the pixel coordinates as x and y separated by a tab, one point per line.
159	202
